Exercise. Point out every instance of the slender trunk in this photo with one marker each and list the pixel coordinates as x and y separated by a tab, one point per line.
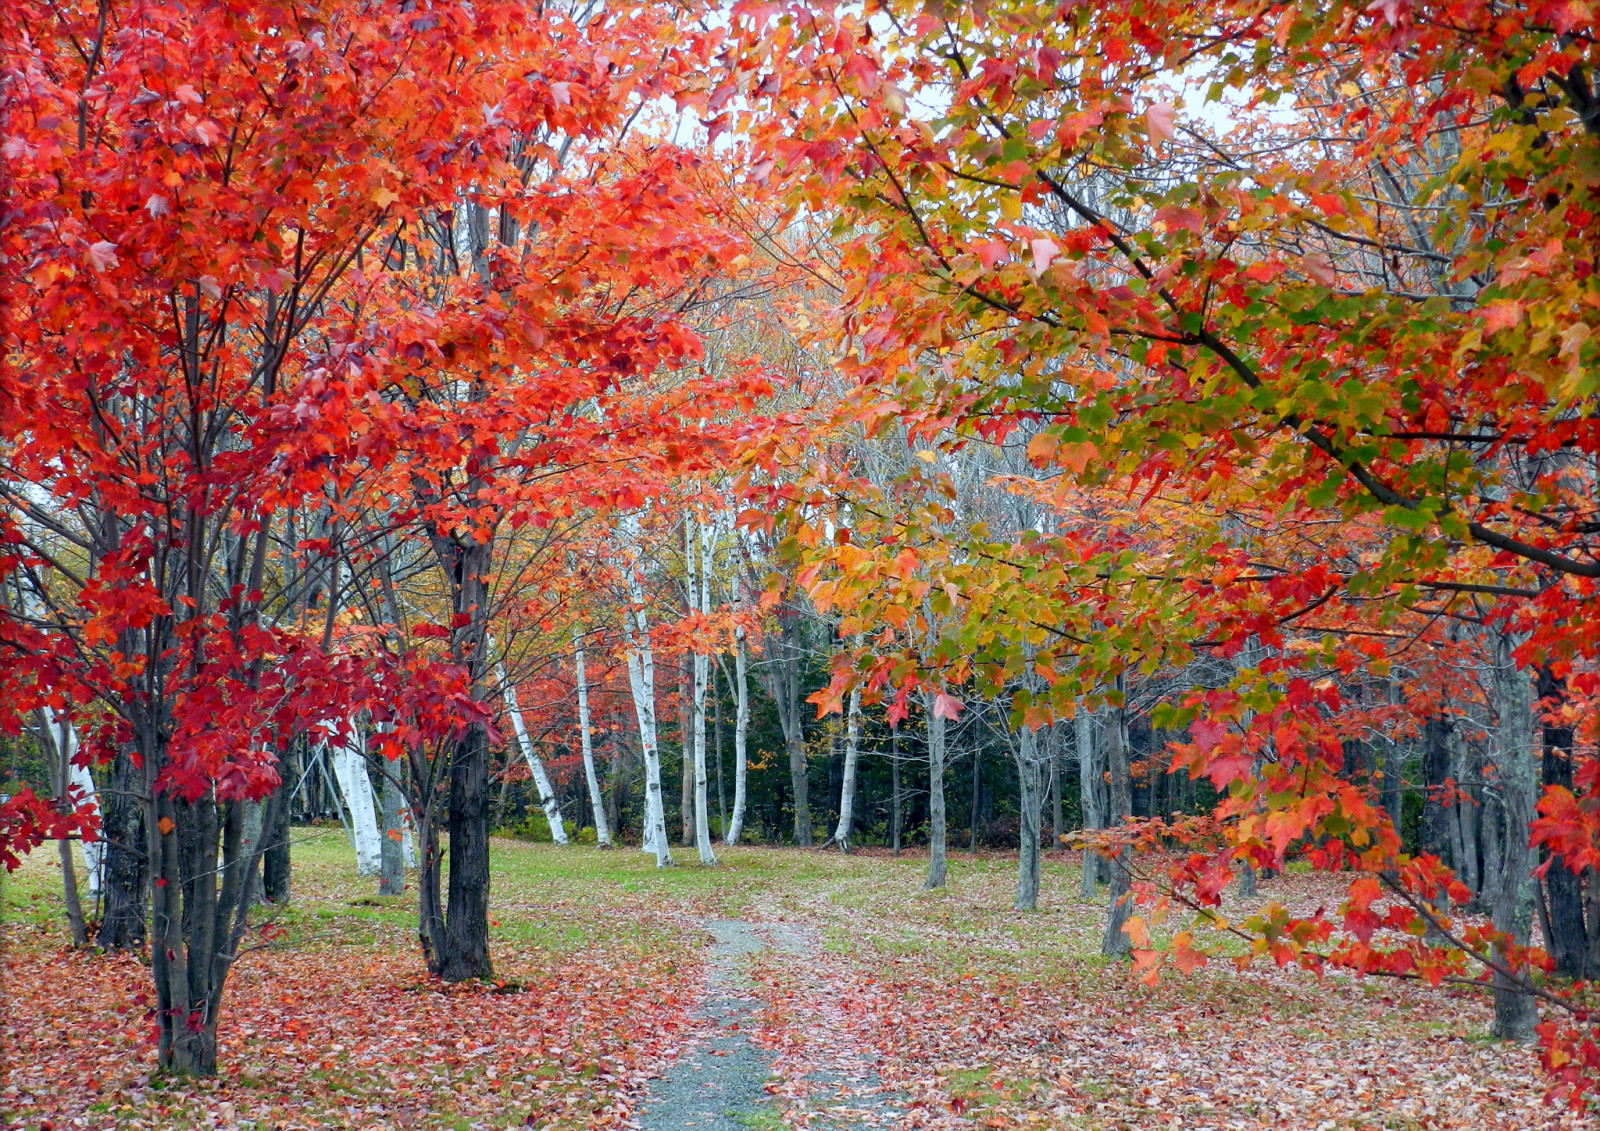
786	694
1088	794
641	680
276	866
602	830
392	875
700	601
894	789
1511	909
62	742
1031	780
722	792
547	793
936	814
741	730
1435	772
350	767
430	867
616	780
686	750
847	792
1120	807
1566	936
977	797
1055	789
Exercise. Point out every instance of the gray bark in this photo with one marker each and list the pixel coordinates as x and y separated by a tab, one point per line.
1119	806
1511	897
936	813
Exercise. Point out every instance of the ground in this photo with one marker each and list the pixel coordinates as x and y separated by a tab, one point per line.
784	988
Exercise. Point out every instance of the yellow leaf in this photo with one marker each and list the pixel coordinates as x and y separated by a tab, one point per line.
385	196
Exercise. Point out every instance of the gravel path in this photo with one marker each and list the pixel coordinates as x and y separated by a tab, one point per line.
718	1083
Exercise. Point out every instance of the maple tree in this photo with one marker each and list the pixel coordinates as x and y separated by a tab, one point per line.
1337	259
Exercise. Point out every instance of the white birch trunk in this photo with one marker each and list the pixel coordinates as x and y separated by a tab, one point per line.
741	727
547	794
94	853
642	682
847	792
700	600
602	831
350	769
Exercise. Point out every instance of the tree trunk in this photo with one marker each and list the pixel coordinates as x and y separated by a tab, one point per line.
895	820
1089	787
122	923
847	789
1120	807
1031	780
936	814
616	778
722	791
783	683
1055	790
350	768
741	730
61	741
602	830
276	866
700	602
541	780
685	751
1511	908
1435	772
642	682
1568	941
977	797
466	924
392	875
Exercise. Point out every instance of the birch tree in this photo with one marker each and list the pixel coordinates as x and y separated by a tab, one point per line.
697	563
547	793
602	830
741	720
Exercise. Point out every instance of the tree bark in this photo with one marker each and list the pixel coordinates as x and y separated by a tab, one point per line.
541	780
1031	780
936	813
741	729
784	686
700	602
1089	788
1568	941
392	874
602	830
1511	909
122	923
466	924
847	788
276	866
641	681
1120	807
895	820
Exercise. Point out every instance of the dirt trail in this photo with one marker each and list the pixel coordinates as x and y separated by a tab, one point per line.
724	1081
718	1082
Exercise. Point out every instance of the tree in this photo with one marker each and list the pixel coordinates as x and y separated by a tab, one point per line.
1362	311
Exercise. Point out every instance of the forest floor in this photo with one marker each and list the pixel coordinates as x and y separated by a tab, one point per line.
784	988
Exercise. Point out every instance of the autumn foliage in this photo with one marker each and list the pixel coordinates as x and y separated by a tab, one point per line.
1272	324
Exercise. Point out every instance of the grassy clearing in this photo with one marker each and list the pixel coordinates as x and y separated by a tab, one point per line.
977	1013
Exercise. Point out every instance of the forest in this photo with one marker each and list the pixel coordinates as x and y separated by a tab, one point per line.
917	563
